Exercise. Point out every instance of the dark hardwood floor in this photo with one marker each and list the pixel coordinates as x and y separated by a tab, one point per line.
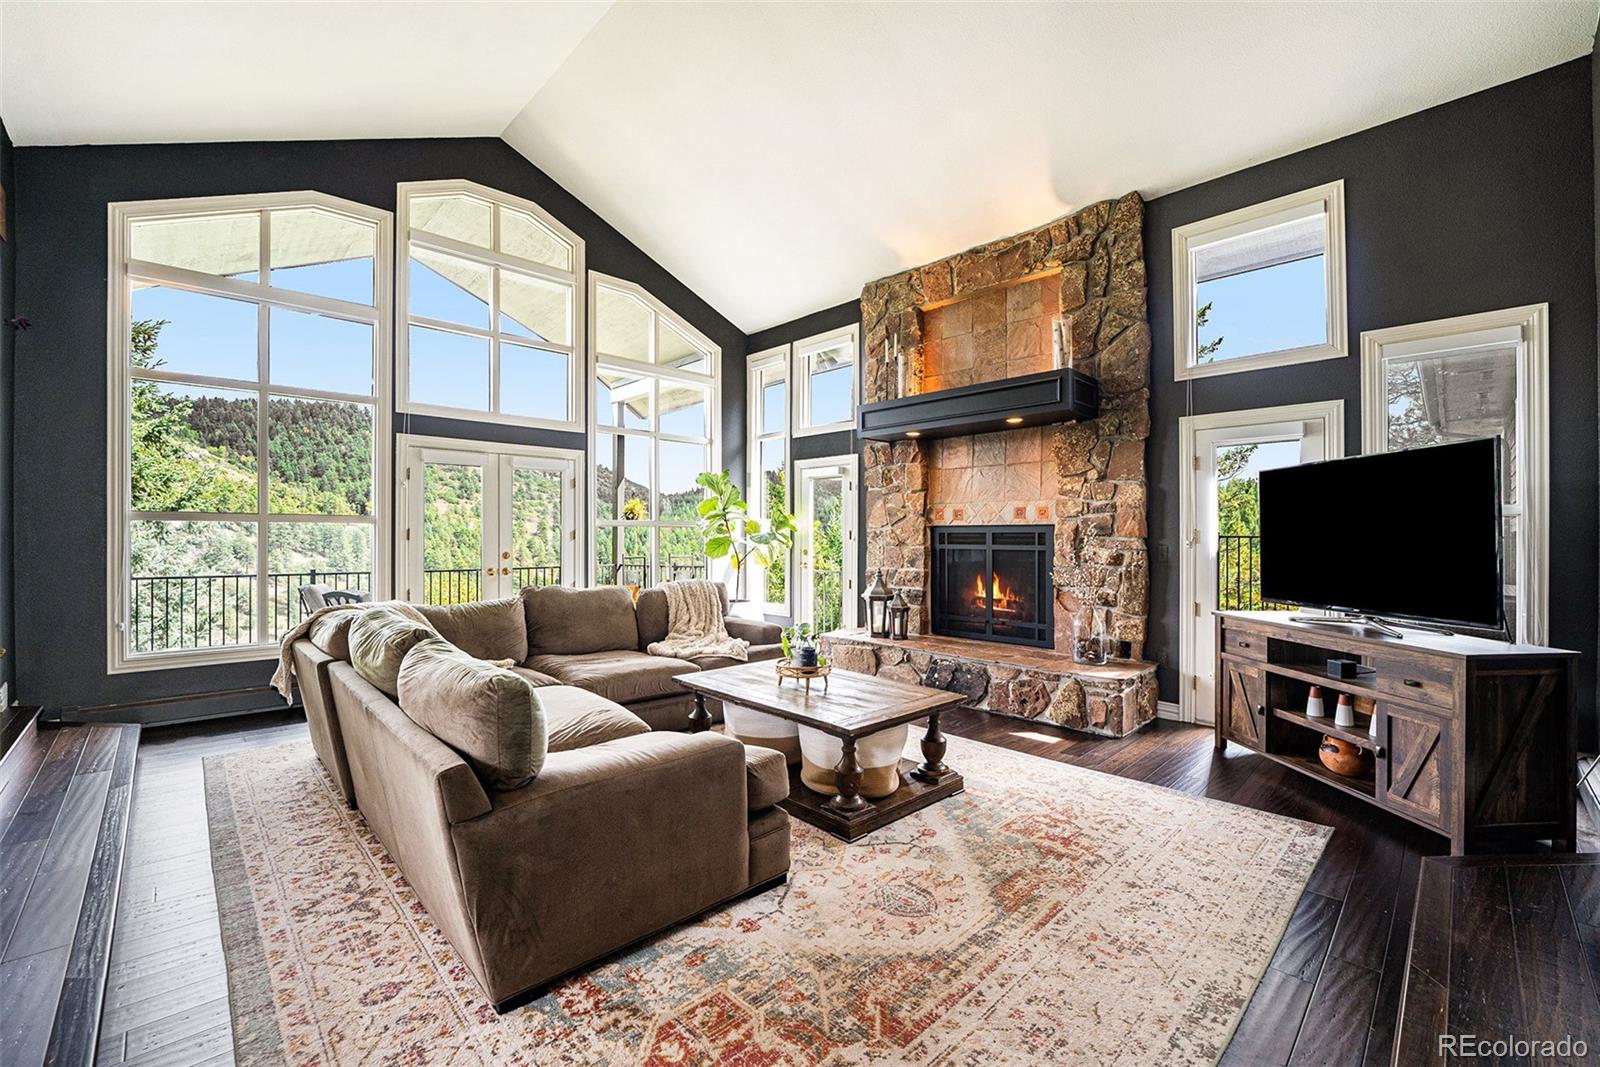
64	799
1331	995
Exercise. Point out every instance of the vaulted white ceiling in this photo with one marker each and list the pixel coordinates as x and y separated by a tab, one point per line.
775	156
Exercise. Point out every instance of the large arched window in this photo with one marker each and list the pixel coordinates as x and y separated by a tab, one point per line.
655	431
493	308
249	342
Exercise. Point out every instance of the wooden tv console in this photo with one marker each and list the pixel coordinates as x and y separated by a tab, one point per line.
1475	738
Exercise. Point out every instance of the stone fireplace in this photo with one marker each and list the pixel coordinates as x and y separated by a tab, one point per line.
984	315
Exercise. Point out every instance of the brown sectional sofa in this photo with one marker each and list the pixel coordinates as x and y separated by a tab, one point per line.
594	639
622	832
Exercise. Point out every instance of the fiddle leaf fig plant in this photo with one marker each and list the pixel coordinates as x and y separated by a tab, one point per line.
730	533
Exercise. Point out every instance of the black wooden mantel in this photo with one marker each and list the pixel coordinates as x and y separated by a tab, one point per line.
1063	395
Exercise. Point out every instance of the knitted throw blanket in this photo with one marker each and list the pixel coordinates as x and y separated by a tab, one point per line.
694	624
283	677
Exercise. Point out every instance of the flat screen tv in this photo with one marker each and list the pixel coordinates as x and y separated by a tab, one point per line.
1404	535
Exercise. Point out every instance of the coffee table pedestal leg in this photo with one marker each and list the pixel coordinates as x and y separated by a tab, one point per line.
933	766
699	718
848	772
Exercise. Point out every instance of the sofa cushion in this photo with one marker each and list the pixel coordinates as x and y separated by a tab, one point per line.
487	629
489	715
534	678
756	631
758	653
652	614
577	718
572	622
766	775
379	640
624	676
331	633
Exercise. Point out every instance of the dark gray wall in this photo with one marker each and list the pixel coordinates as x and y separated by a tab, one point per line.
1594	131
1485	202
1482	203
827	444
8	309
61	201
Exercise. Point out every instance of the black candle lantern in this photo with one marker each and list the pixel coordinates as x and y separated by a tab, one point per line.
899	617
877	597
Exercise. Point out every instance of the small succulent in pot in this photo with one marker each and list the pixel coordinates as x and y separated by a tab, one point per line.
800	646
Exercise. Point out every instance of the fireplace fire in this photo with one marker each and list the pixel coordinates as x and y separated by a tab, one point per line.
993	583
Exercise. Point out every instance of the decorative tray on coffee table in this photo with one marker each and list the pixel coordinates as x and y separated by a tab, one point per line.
797	672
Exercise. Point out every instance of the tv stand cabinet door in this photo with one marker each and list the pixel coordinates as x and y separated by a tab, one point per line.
1414	778
1241	704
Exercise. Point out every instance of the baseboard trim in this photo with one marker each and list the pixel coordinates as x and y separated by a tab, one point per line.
16	723
166	711
1166	709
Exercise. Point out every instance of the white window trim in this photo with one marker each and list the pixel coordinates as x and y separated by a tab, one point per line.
800	377
120	217
712	381
575	351
1185	239
1532	323
1330	412
755	364
849	595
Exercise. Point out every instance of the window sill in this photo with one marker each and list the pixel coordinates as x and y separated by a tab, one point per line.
199	657
815	431
1265	360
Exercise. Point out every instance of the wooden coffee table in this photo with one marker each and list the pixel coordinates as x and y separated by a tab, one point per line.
855	706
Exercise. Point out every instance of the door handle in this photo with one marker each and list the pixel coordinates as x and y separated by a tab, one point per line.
505	570
488	570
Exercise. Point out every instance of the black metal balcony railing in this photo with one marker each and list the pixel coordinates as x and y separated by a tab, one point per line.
459	585
190	611
636	570
1239	574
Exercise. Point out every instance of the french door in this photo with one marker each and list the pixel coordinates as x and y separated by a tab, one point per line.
482	521
826	541
1221	563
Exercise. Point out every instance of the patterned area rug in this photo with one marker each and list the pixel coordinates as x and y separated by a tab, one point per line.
1049	914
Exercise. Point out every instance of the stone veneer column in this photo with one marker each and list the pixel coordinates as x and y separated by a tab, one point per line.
1100	490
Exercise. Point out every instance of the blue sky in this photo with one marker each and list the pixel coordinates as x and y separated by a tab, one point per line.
1265	310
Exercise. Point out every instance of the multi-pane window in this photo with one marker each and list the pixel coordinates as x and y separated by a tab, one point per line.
493	308
768	460
1262	286
655	421
249	408
1476	376
825	382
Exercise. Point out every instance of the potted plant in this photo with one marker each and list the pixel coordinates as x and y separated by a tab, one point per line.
731	534
799	644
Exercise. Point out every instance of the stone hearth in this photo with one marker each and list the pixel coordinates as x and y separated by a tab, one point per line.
1029	683
983	315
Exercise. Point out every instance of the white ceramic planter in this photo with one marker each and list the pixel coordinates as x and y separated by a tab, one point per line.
758	728
878	754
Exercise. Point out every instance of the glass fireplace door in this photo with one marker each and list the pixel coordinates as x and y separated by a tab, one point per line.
993	583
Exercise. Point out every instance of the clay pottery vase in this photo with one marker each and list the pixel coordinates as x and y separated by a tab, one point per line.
1342	757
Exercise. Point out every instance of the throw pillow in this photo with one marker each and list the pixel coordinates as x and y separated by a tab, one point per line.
489	715
379	640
